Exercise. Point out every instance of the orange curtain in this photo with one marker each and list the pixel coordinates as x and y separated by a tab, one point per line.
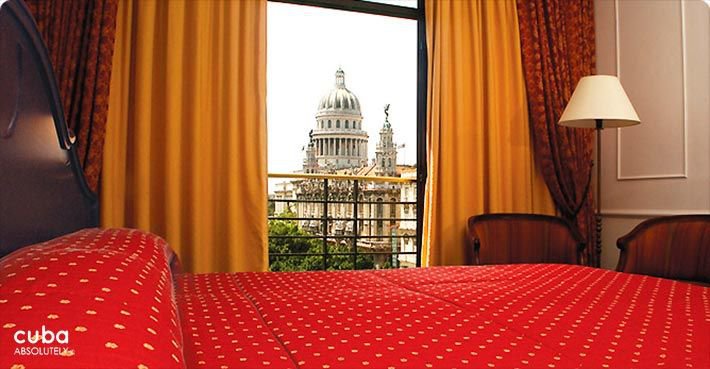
80	36
479	152
185	152
557	38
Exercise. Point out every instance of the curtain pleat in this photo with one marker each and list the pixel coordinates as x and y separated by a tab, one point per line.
185	150
79	36
479	151
557	38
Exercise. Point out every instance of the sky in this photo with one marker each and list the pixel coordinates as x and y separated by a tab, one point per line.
306	45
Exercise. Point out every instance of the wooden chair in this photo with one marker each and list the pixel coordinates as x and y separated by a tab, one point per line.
522	238
674	247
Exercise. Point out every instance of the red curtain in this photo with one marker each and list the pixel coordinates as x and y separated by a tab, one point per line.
557	42
79	36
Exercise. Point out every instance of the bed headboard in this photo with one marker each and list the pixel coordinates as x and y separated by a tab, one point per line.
43	193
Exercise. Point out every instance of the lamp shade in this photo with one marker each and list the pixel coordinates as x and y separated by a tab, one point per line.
599	98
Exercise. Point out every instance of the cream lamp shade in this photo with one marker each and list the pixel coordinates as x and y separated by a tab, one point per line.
599	98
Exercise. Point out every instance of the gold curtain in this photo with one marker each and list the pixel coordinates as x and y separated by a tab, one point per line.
479	153
185	153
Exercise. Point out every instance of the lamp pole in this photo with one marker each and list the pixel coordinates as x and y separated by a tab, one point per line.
598	218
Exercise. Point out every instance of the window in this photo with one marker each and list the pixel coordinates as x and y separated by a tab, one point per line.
343	213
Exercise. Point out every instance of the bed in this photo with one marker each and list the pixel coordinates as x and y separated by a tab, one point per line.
76	296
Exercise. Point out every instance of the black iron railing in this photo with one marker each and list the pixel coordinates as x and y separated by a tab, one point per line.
341	247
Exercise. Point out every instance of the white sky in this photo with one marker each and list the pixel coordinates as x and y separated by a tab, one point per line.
306	45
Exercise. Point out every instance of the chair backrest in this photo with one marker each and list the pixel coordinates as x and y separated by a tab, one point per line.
675	247
523	238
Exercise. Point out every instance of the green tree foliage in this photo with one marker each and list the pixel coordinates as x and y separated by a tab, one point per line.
307	245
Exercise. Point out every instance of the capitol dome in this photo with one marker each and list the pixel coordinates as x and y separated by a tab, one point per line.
339	140
339	98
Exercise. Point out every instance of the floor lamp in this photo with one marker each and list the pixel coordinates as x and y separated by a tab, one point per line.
599	102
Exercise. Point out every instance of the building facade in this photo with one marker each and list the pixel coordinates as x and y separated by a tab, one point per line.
408	228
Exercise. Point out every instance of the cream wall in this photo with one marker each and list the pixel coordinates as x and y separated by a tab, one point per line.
660	51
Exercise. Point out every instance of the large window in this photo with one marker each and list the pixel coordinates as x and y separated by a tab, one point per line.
345	96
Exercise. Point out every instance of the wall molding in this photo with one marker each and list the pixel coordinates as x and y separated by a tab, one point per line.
649	213
684	173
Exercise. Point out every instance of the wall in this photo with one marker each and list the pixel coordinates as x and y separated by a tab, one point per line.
659	50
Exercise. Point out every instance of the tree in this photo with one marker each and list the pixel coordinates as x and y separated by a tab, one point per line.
312	246
292	245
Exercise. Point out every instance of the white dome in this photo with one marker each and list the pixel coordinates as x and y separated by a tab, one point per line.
339	141
339	99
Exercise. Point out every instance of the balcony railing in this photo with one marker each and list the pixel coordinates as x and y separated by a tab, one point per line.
342	222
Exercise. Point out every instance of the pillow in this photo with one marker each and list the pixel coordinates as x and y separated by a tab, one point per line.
92	299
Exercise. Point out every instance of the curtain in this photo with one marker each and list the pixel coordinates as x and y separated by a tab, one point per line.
479	152
185	152
80	37
557	41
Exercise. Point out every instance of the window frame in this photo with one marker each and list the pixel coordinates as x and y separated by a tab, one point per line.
417	14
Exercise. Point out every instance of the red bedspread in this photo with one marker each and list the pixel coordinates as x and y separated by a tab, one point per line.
512	316
92	299
104	299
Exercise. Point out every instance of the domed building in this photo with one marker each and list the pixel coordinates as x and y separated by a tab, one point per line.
338	145
338	140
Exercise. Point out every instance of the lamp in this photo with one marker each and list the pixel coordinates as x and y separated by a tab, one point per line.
599	102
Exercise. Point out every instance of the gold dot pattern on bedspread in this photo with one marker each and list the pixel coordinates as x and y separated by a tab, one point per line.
223	327
112	294
512	316
96	291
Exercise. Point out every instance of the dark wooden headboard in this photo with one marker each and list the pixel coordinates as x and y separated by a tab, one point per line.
43	193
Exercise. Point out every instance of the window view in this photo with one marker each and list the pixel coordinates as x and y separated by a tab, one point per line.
342	130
